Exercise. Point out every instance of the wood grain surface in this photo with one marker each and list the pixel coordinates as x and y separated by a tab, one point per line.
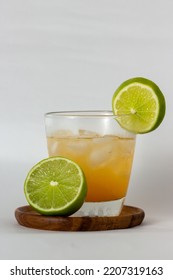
129	217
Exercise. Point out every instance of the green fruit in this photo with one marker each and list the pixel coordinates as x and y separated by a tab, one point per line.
55	186
139	105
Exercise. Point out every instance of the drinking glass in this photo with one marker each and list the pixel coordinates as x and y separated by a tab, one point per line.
104	151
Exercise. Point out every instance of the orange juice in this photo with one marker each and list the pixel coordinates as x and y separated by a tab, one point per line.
106	161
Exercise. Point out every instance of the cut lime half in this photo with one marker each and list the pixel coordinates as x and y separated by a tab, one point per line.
55	186
139	105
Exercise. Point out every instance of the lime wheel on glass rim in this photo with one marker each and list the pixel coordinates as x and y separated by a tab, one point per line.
139	105
55	186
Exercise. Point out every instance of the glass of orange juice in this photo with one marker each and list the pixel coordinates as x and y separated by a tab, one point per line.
103	150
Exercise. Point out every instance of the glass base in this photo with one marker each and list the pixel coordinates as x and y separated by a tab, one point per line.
101	209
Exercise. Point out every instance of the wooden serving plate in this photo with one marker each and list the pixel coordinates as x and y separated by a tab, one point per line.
129	217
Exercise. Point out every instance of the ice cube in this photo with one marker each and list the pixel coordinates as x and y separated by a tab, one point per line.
53	147
101	155
87	133
104	139
77	146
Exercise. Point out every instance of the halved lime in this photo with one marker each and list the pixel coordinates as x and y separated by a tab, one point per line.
139	105
55	186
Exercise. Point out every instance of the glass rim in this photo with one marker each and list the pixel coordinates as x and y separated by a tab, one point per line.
92	115
83	114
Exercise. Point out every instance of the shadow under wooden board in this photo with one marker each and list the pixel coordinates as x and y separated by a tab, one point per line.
129	217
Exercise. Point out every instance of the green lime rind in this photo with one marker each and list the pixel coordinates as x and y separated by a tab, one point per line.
139	105
55	186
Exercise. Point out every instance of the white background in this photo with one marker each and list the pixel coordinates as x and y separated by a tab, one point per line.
70	55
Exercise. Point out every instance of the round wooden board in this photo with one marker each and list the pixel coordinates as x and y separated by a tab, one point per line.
129	217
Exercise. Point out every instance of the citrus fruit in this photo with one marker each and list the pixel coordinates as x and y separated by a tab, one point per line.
55	186
139	105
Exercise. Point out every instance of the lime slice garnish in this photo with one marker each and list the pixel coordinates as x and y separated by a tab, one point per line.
55	186
139	105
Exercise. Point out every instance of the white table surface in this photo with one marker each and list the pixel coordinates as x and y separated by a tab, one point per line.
62	55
